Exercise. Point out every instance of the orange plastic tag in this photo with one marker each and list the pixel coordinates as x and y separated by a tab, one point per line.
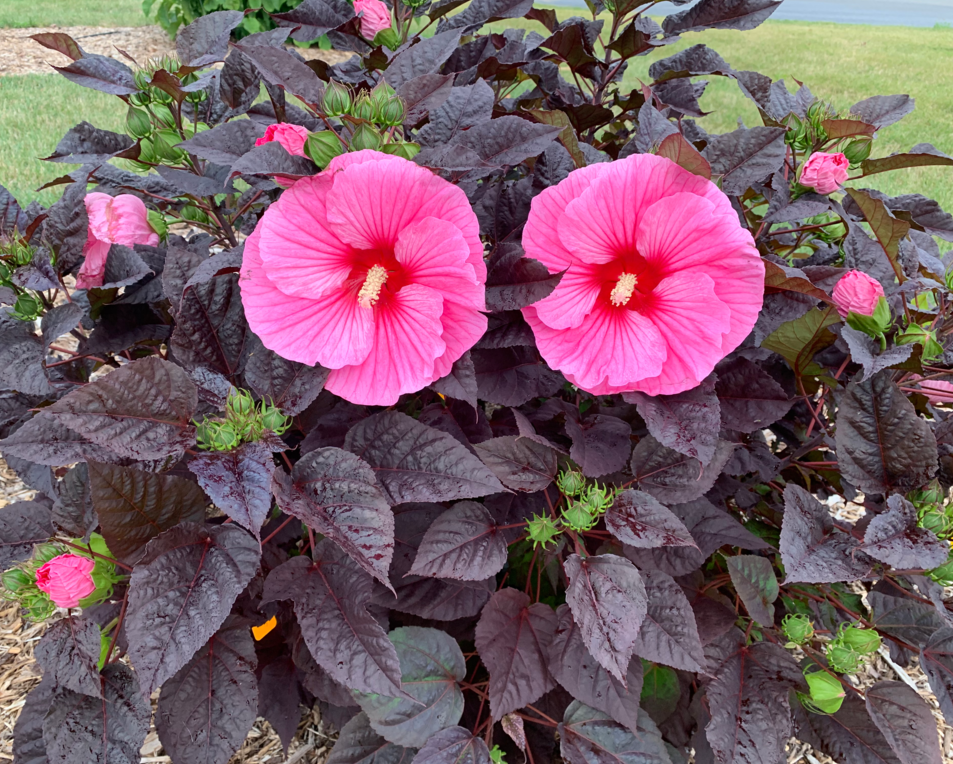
260	632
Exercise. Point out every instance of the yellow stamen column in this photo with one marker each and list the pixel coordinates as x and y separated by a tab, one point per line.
622	291
371	290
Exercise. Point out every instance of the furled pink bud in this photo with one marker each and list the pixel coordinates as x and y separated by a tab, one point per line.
856	292
67	579
122	219
376	17
825	173
291	137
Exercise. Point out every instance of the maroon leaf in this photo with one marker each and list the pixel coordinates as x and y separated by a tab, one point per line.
672	477
514	638
22	525
205	40
574	668
895	538
180	593
315	18
850	735
588	736
720	14
69	655
142	410
600	443
608	601
238	482
748	699
811	549
754	580
521	464
745	156
210	329
460	383
28	744
882	445
224	144
936	660
414	462
424	57
100	73
280	697
330	595
514	281
462	543
669	634
881	111
280	68
206	709
454	745
289	385
687	422
135	506
639	520
750	398
46	440
512	376
358	743
336	493
906	721
61	43
466	106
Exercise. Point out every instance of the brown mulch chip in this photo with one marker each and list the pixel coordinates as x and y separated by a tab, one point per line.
21	55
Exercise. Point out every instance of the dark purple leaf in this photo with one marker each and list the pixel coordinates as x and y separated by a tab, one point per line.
936	660
460	383
180	593
423	94
142	410
238	482
109	729
514	638
588	736
669	634
454	745
358	743
414	462
850	735
573	666
315	18
812	550
224	144
69	654
100	73
23	524
210	329
123	267
424	57
61	43
866	351
906	619
672	477
600	443
45	440
67	227
73	511
881	111
720	14
336	494
512	376
514	281
480	12
21	363
28	744
330	595
463	543
905	721
507	140
466	106
746	156
280	68
134	506
206	709
521	464
431	666
280	698
60	320
687	422
289	385
205	40
895	538
754	580
748	699
87	144
10	212
639	520
608	601
750	398
272	159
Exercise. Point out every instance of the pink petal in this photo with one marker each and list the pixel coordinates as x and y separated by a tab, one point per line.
692	320
613	346
540	235
685	232
331	330
406	341
123	219
98	209
572	299
462	328
434	254
303	256
94	266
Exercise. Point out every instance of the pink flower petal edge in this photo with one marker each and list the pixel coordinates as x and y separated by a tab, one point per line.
122	219
67	579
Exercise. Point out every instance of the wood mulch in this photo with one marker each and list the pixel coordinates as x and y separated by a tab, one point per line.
21	55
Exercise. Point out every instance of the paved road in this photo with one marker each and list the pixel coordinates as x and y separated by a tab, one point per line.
914	13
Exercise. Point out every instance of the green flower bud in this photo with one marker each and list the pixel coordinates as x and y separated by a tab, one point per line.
147	152
578	517
363	108
827	693
863	641
382	92
225	438
240	403
570	482
931	495
857	151
843	659
5	273
599	498
203	434
163	115
948	278
27	307
921	335
323	147
541	530
402	149
366	137
391	112
16	580
193	213
162	144
935	521
797	628
43	553
142	79
157	223
337	99
944	574
138	124
873	325
272	419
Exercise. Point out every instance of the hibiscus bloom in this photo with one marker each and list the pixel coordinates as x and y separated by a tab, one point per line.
375	17
122	219
372	268
291	137
661	281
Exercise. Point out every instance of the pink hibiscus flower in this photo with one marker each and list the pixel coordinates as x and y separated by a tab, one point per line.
661	280
372	268
122	219
67	579
375	18
291	137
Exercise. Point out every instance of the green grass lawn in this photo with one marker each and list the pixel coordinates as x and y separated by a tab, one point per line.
840	63
67	13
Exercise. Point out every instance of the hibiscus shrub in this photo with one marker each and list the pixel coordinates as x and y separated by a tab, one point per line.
479	396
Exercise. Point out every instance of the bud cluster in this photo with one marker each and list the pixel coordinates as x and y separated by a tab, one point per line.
244	421
935	515
16	254
584	504
845	653
797	628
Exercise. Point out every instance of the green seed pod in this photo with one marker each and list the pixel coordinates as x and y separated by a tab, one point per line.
843	659
363	108
541	530
863	641
138	124
797	628
391	112
190	212
16	580
570	482
366	137
857	151
827	693
162	147
402	149
272	419
323	147
577	516
240	403
142	79
935	521
944	574
27	307
337	99
225	438
598	498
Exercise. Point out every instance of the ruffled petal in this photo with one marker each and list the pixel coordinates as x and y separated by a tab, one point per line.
130	222
462	328
406	341
572	299
301	253
94	265
612	346
434	254
331	330
540	235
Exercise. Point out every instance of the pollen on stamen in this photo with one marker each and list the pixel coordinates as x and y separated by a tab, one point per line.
622	291
371	290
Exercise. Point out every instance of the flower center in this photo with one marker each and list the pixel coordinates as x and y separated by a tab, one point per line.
622	292
373	283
